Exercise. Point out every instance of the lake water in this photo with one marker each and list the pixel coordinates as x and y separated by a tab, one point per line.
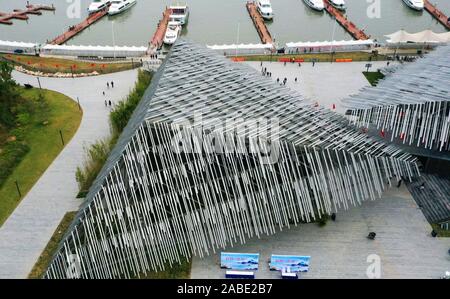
218	22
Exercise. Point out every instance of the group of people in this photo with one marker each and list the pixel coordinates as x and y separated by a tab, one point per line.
265	73
108	85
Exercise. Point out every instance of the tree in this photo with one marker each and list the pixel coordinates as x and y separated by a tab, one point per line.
8	95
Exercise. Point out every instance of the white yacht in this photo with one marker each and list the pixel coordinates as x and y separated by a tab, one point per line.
119	6
415	4
98	5
265	9
315	4
339	4
180	14
172	32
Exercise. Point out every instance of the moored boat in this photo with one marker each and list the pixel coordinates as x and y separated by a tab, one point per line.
265	9
119	6
315	4
415	4
339	4
98	5
180	14
172	32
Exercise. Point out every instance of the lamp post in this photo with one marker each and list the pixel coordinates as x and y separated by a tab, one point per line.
332	39
113	39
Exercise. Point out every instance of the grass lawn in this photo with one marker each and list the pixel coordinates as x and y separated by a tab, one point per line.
45	258
319	57
44	144
373	77
178	271
441	232
55	65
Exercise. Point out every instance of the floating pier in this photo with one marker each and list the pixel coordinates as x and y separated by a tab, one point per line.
439	15
18	14
264	34
158	38
76	29
351	28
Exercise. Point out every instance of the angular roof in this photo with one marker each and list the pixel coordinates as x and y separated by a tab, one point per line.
213	155
412	104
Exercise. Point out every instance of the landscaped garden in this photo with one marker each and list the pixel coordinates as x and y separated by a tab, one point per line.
33	125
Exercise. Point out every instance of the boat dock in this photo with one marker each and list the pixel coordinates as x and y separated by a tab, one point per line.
351	28
264	34
18	14
76	29
439	15
158	38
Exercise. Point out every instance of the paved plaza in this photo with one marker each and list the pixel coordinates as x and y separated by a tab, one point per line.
340	249
26	232
326	83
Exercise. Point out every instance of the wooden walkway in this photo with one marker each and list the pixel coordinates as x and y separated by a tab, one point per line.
5	18
158	38
439	15
76	29
351	28
264	34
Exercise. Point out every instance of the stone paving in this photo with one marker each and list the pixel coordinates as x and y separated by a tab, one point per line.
340	249
326	83
26	232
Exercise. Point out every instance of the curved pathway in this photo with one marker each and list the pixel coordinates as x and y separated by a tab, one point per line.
26	232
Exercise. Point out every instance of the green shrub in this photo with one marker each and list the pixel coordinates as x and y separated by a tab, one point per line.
121	114
97	154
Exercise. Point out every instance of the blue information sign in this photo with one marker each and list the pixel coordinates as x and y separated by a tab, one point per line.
239	261
289	263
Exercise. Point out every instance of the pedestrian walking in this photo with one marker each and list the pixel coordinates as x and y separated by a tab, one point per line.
103	93
314	62
107	84
295	79
106	103
110	103
299	64
112	84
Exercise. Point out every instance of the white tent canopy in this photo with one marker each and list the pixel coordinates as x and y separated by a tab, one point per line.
330	43
242	48
426	36
343	45
103	51
11	47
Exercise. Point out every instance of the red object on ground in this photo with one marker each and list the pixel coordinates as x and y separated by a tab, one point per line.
382	133
334	106
344	60
284	59
238	59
